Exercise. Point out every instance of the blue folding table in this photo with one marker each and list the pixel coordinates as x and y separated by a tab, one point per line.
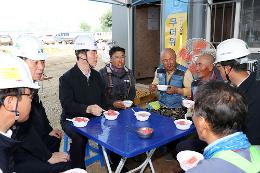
120	136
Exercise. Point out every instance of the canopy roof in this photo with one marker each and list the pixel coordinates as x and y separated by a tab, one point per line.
126	2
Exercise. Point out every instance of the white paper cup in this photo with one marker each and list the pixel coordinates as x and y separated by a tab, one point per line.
128	103
189	159
111	116
142	115
162	87
188	103
183	124
80	121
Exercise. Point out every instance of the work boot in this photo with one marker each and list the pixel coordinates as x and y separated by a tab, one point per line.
169	156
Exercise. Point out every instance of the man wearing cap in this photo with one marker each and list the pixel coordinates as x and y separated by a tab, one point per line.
30	49
81	93
231	61
16	91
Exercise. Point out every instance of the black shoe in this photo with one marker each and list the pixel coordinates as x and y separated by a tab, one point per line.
139	158
114	166
169	157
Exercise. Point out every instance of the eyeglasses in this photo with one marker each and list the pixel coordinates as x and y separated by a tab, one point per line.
30	95
20	93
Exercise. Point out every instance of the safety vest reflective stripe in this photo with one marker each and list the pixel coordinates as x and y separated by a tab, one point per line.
255	156
239	161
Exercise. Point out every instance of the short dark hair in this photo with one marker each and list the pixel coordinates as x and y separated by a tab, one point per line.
77	52
116	49
235	65
223	107
8	92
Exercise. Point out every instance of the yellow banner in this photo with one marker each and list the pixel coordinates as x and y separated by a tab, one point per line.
176	31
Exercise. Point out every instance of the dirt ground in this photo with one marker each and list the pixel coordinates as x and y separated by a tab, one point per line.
60	59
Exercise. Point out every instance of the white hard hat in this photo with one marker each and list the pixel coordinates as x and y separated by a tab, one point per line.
29	47
14	73
231	49
84	42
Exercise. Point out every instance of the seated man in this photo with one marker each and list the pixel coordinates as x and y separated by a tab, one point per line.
119	84
29	48
33	155
118	79
178	78
16	90
38	150
205	73
219	115
232	62
81	93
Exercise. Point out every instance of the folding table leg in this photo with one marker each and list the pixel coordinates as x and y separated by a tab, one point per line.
151	166
106	159
120	165
123	160
144	164
148	160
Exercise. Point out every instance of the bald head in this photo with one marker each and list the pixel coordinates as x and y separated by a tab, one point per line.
169	52
204	66
168	59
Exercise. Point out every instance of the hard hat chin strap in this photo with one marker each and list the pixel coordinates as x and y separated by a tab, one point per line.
85	59
17	114
91	67
227	74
